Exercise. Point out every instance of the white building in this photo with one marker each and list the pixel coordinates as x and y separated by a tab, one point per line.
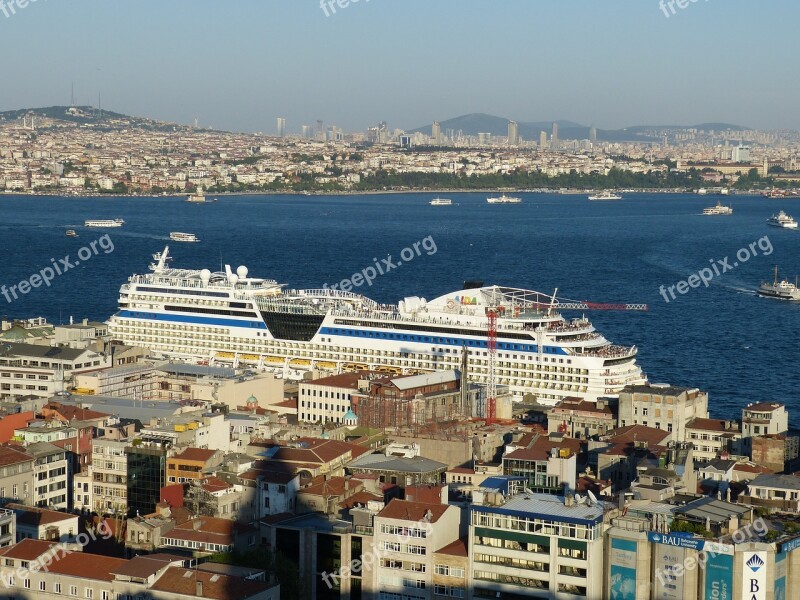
52	476
535	545
110	481
407	534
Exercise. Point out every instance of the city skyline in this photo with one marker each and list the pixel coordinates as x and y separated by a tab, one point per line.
612	67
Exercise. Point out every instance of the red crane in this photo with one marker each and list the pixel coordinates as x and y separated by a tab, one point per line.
491	404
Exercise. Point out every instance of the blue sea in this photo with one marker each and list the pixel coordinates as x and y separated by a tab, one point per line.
722	338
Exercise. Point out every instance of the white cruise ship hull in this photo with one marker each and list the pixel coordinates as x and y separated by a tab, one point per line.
541	355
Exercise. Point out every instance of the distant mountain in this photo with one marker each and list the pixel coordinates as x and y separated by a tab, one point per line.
476	123
90	115
701	126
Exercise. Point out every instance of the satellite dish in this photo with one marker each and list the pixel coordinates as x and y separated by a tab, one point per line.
592	496
579	499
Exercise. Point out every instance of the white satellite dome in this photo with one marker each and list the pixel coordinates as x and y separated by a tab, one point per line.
205	276
233	279
242	272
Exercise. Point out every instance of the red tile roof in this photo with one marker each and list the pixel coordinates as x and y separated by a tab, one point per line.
87	566
541	449
195	454
27	549
404	510
457	548
38	516
217	587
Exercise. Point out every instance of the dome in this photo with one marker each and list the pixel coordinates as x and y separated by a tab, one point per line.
350	417
252	400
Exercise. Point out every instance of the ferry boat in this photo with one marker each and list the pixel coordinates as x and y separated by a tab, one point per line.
71	233
191	315
782	220
504	200
605	195
441	202
780	289
104	223
719	209
177	236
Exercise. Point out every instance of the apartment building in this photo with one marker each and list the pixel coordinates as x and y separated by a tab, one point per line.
451	571
407	536
529	545
43	524
52	477
16	475
109	476
763	418
579	418
192	464
711	437
45	570
662	406
42	371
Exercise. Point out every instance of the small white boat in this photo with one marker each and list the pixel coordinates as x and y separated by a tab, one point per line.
605	195
504	200
178	236
104	223
719	209
782	220
441	202
71	233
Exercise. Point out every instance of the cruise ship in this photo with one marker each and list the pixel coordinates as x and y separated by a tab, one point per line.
232	318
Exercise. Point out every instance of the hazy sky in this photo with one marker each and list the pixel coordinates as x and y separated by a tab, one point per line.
239	64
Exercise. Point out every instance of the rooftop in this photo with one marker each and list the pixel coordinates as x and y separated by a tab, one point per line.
403	510
548	507
381	462
180	581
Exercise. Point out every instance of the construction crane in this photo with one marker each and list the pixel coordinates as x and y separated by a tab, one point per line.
555	304
491	392
492	313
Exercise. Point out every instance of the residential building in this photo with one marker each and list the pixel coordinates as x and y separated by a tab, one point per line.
42	370
44	524
763	418
210	535
579	418
16	475
43	570
712	437
399	470
662	406
109	477
773	493
525	545
451	575
192	464
548	464
52	477
407	536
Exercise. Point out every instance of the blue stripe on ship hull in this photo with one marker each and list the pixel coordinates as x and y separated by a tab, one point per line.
149	316
438	340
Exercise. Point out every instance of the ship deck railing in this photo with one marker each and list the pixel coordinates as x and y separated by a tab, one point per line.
611	351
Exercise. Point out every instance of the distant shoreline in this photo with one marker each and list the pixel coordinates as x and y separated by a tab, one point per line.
375	193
